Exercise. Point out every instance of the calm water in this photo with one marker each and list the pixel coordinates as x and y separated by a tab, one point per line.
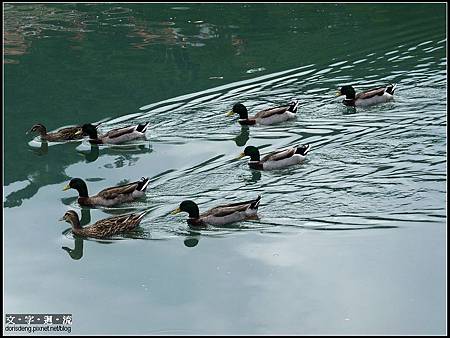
352	241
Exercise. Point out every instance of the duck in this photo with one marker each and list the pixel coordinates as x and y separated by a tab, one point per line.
106	227
110	196
64	134
220	215
368	97
115	136
276	160
267	116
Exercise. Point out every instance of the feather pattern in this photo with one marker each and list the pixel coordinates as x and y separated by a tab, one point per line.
220	215
368	97
278	159
109	196
116	136
63	134
267	116
106	227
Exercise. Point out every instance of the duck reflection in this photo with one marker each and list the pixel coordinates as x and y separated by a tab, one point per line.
42	150
192	239
349	110
243	137
256	176
126	153
85	217
90	155
77	252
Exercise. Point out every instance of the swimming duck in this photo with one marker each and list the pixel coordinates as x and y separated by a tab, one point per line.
109	196
64	134
115	136
106	227
368	97
220	215
277	159
267	116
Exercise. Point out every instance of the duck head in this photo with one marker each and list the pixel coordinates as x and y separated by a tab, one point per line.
188	206
239	109
72	218
79	185
251	151
90	130
38	128
348	91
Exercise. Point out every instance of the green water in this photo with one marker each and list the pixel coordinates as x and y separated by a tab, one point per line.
352	241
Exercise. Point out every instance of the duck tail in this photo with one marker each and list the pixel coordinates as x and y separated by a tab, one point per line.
391	88
142	214
255	203
142	127
293	106
303	149
137	218
143	183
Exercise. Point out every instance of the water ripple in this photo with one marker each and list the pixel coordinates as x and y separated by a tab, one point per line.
364	162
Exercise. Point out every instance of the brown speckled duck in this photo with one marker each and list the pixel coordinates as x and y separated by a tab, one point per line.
64	134
106	227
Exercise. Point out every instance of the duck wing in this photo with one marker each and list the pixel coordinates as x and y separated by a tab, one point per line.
70	130
271	111
279	155
68	133
113	192
119	132
370	93
114	225
228	209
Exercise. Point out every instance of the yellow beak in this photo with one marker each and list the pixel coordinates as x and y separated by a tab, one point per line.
67	187
338	93
241	155
176	211
230	113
